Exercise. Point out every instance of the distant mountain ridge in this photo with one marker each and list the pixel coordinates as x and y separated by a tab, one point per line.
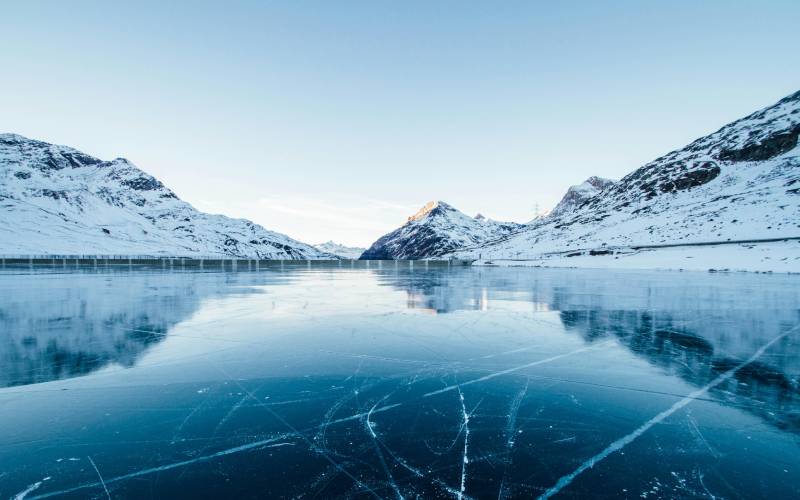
741	182
435	230
338	250
57	200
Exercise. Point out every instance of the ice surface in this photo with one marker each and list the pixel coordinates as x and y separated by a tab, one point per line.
398	383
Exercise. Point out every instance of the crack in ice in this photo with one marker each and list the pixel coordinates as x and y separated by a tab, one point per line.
302	436
510	434
518	368
465	459
161	468
24	493
368	425
105	488
620	443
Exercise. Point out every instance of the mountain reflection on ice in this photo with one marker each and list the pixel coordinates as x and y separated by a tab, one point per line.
693	330
59	326
465	383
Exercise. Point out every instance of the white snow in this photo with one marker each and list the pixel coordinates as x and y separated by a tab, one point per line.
782	257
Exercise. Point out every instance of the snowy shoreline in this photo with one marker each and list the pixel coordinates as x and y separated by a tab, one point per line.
773	257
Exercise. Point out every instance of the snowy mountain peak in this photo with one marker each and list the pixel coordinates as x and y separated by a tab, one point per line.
578	194
58	200
10	137
432	208
340	250
596	182
436	229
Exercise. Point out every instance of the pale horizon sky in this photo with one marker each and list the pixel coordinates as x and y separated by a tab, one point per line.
337	120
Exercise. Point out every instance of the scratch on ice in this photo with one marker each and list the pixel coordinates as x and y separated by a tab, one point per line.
465	459
629	438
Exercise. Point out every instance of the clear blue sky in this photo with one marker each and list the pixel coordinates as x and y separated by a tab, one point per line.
336	120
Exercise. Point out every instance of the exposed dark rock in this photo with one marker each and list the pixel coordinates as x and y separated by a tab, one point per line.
770	147
144	183
77	159
56	195
693	178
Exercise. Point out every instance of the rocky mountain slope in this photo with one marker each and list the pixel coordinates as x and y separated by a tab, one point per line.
579	194
56	200
437	229
739	183
338	250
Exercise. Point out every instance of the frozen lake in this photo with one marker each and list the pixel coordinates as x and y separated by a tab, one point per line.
440	383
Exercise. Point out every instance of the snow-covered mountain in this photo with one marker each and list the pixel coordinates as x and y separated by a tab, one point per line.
437	229
739	183
56	200
579	194
338	250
